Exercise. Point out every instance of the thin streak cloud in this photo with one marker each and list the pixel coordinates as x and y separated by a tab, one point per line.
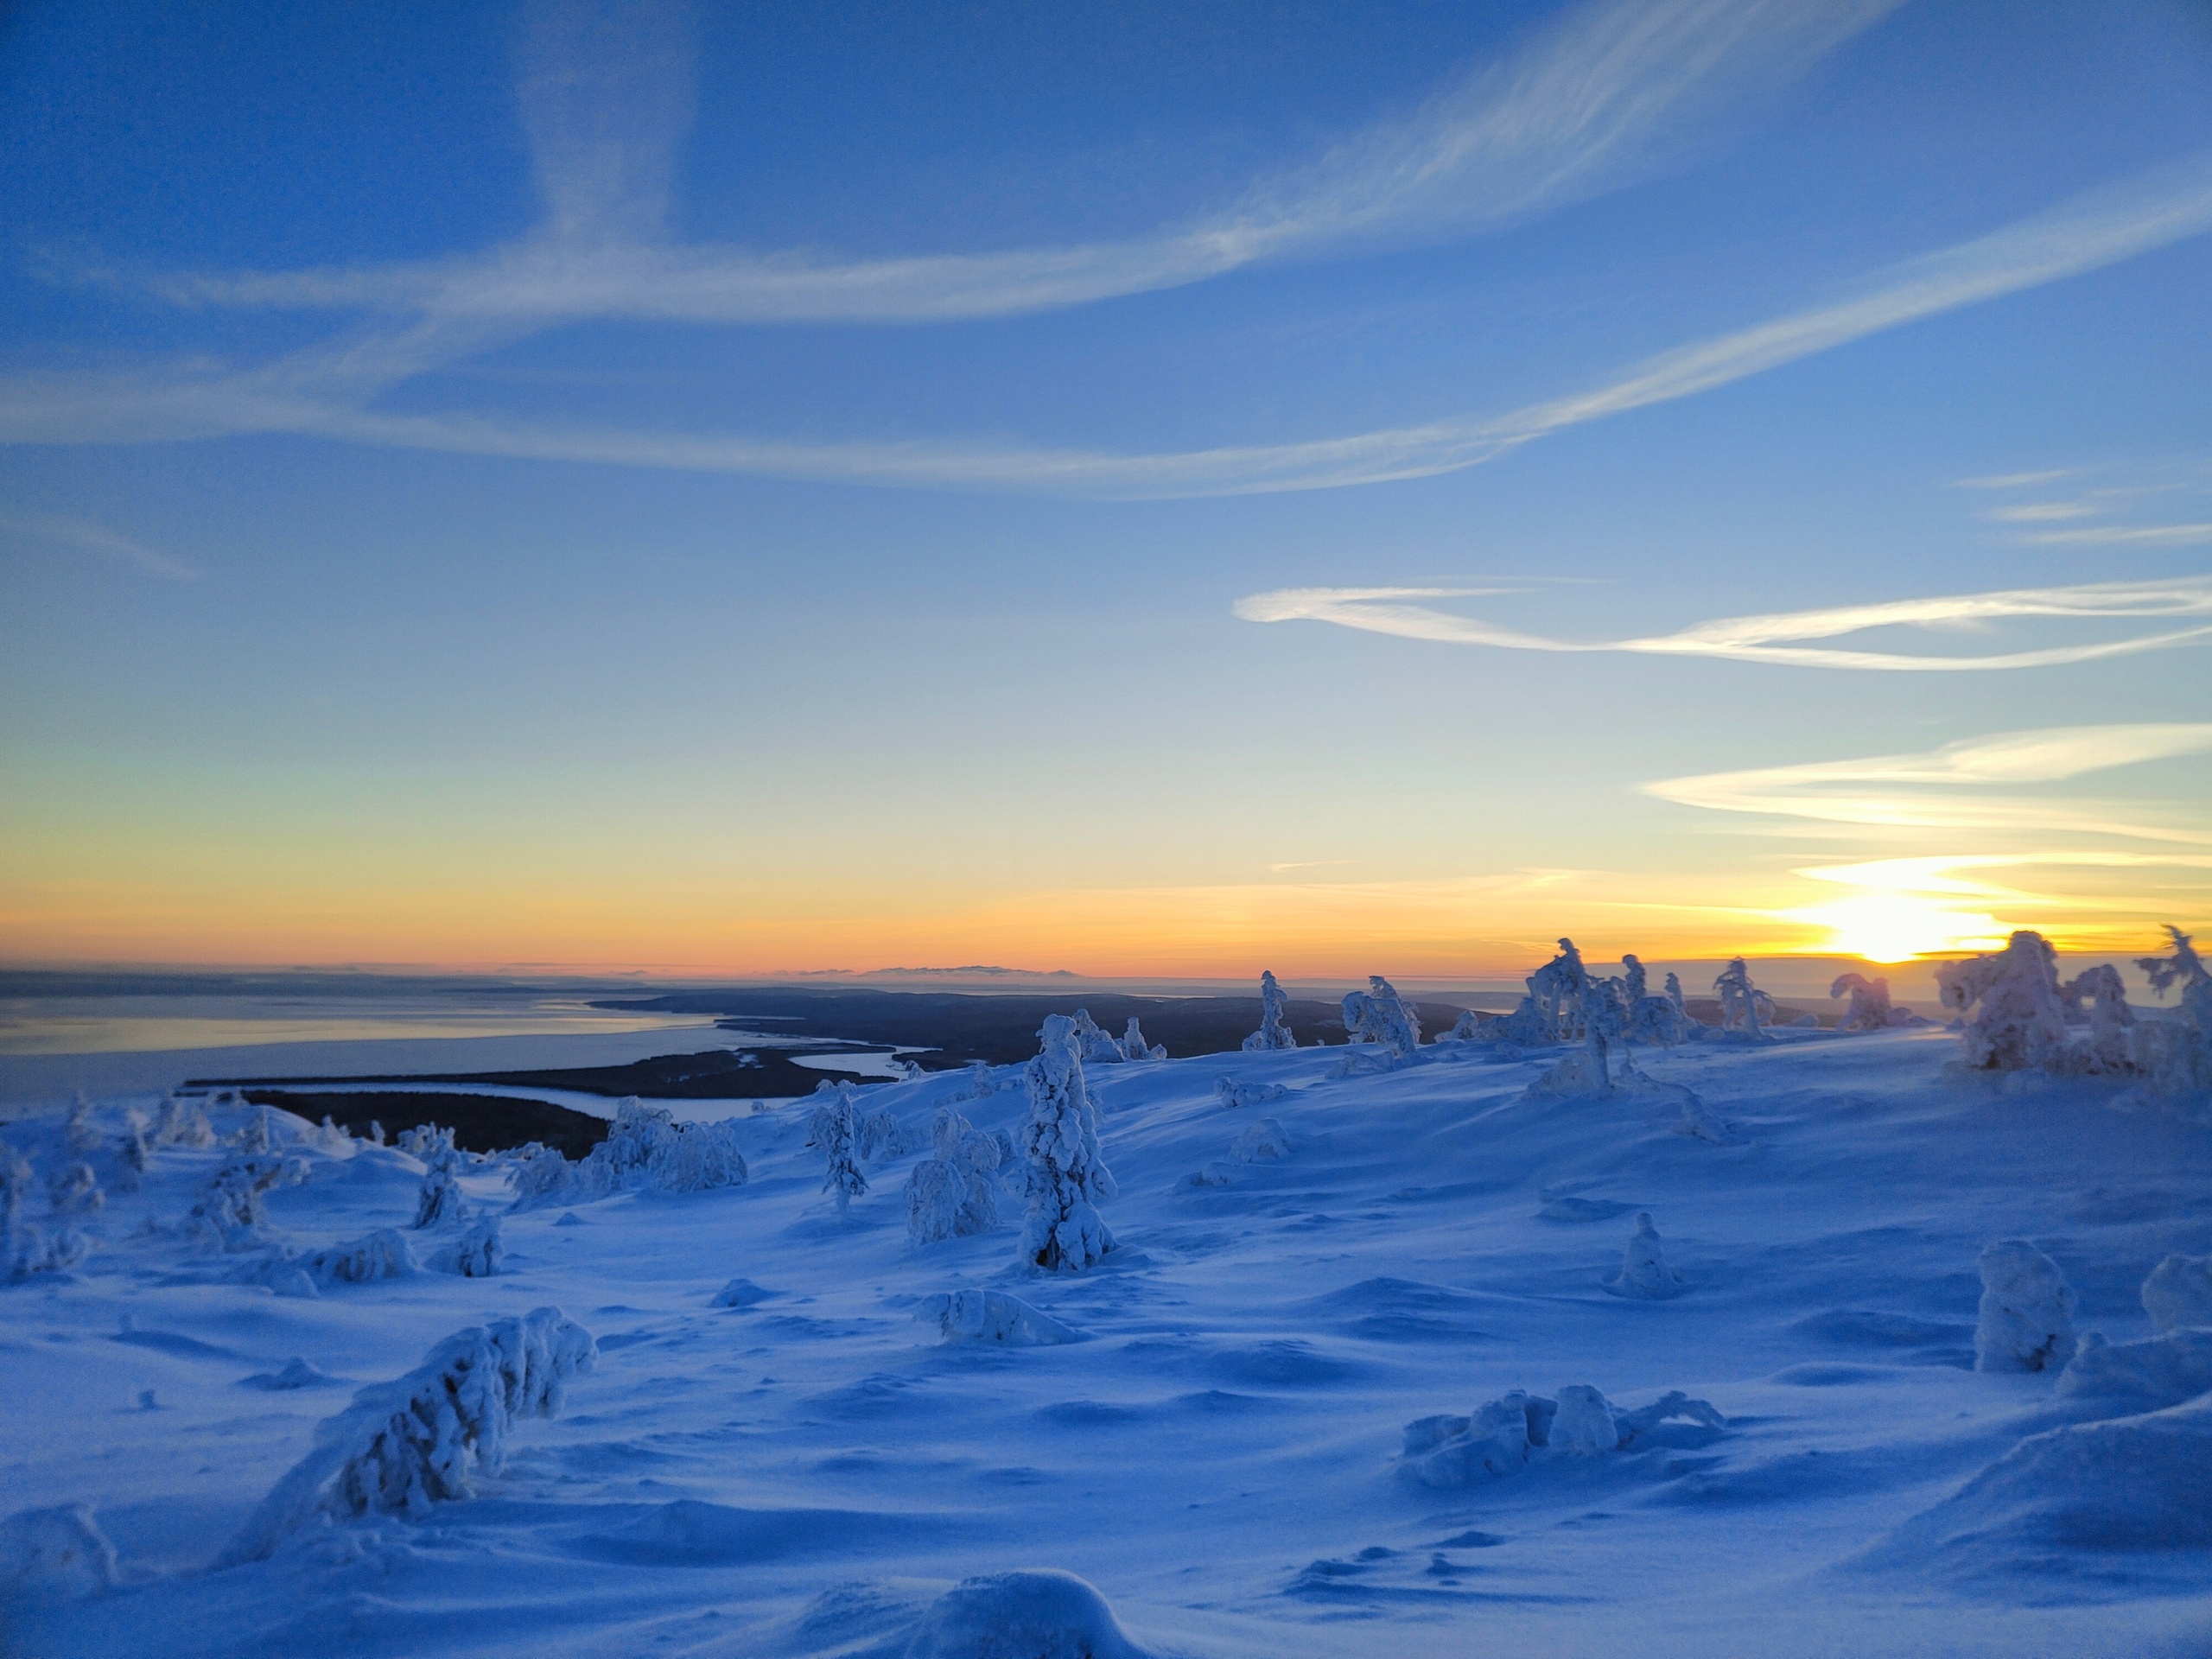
1610	93
86	537
1773	638
1946	788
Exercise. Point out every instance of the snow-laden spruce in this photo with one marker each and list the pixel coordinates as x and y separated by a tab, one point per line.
835	1129
1871	1008
1379	1017
230	1210
439	1204
1068	1179
1275	1028
1095	1045
74	1190
2175	1052
401	1446
2020	1020
1518	1429
180	1123
2026	1319
880	1137
954	1193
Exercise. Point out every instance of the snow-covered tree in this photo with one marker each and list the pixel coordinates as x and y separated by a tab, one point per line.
80	1133
879	1138
74	1190
1095	1044
1134	1048
401	1446
382	1255
2177	1052
478	1252
439	1204
1068	1179
258	1135
1675	995
1379	1015
134	1152
1233	1094
2112	1022
182	1124
1870	1007
954	1193
1274	1032
836	1132
230	1210
2026	1319
2022	1019
1744	1007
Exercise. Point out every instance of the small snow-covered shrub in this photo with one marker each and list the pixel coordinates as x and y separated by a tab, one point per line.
835	1129
54	1554
1699	1122
74	1190
24	1250
1658	1022
384	1253
2026	1319
697	1158
1134	1048
742	1293
2178	1293
1068	1179
2112	1022
2175	1052
229	1209
1274	1032
439	1204
1510	1433
1644	1274
182	1124
1261	1142
2021	1021
1233	1094
477	1253
401	1446
991	1316
424	1140
259	1133
1379	1015
955	1192
134	1152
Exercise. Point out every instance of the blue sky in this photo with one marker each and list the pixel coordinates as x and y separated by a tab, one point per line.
794	488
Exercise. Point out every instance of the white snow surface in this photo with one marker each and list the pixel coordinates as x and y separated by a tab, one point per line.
774	1456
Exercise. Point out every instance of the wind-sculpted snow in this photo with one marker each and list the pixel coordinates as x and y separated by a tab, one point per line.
804	1430
405	1445
1234	1094
1031	1614
55	1553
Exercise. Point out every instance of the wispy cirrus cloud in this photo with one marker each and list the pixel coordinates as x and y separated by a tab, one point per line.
1951	788
86	535
1777	638
1607	94
2125	498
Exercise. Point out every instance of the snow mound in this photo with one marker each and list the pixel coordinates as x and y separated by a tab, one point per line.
296	1374
476	1254
1261	1142
2128	1483
2178	1293
1519	1428
403	1444
992	1316
1232	1093
1644	1274
57	1555
742	1293
2159	1371
1216	1173
2026	1320
1022	1615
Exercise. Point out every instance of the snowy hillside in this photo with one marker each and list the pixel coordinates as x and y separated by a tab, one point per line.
1275	1418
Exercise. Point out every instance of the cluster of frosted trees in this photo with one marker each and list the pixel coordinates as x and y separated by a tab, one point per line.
2018	1014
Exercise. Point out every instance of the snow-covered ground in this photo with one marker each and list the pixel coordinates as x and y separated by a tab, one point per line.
811	1469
